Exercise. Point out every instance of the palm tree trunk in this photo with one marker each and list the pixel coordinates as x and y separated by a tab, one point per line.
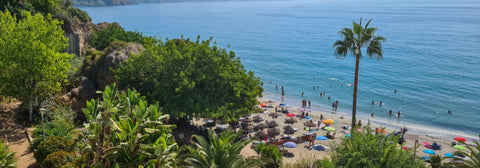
355	86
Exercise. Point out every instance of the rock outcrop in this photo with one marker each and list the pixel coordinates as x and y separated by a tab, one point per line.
112	61
78	36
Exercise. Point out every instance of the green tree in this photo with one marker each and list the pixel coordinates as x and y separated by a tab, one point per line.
7	158
220	151
124	129
192	78
364	149
353	41
32	61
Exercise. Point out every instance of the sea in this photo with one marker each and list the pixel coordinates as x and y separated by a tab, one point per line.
431	56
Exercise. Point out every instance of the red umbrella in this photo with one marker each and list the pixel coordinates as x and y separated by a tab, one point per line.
290	115
459	139
263	104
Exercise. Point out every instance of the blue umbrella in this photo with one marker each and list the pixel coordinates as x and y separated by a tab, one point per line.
321	138
448	154
283	104
348	135
290	144
308	117
429	151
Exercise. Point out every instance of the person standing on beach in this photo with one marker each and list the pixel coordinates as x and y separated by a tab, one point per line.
283	92
359	124
321	117
309	103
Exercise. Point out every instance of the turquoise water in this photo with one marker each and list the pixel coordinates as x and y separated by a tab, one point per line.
431	56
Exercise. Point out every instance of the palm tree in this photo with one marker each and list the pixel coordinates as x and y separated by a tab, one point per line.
353	41
473	155
220	151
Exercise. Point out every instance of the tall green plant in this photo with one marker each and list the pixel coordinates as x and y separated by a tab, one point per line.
271	153
7	158
124	129
353	41
364	149
219	151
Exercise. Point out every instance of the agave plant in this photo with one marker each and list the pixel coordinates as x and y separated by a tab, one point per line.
220	151
7	158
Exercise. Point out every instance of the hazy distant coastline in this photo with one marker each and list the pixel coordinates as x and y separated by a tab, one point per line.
94	3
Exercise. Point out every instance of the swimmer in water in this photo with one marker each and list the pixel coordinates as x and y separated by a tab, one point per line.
449	112
390	112
398	114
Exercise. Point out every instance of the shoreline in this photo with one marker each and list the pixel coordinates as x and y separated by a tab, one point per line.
392	123
342	119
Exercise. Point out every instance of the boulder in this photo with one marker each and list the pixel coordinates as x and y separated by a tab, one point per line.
112	61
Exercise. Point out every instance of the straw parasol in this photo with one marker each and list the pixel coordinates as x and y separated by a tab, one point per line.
260	135
257	118
288	130
273	114
273	132
290	120
272	124
328	121
247	120
260	126
310	124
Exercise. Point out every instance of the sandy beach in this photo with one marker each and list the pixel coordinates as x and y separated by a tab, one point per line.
302	152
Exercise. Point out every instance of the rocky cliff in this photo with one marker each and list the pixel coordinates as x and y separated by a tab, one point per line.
78	36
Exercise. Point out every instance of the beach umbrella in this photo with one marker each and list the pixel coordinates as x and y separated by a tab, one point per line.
310	124
260	135
290	144
273	132
301	109
459	147
359	130
459	139
429	151
247	120
328	121
288	130
272	124
263	104
331	129
283	104
260	126
348	136
290	120
273	114
291	115
321	138
257	118
448	154
308	117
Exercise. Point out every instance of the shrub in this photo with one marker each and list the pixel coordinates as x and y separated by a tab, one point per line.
271	154
58	159
53	144
52	129
7	158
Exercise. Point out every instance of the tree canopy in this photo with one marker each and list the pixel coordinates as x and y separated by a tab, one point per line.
32	58
192	78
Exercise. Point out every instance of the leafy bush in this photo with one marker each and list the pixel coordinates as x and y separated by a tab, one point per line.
364	149
53	144
7	158
271	154
58	159
52	129
103	38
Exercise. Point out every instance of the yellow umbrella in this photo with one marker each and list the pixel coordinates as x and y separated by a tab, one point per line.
328	121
